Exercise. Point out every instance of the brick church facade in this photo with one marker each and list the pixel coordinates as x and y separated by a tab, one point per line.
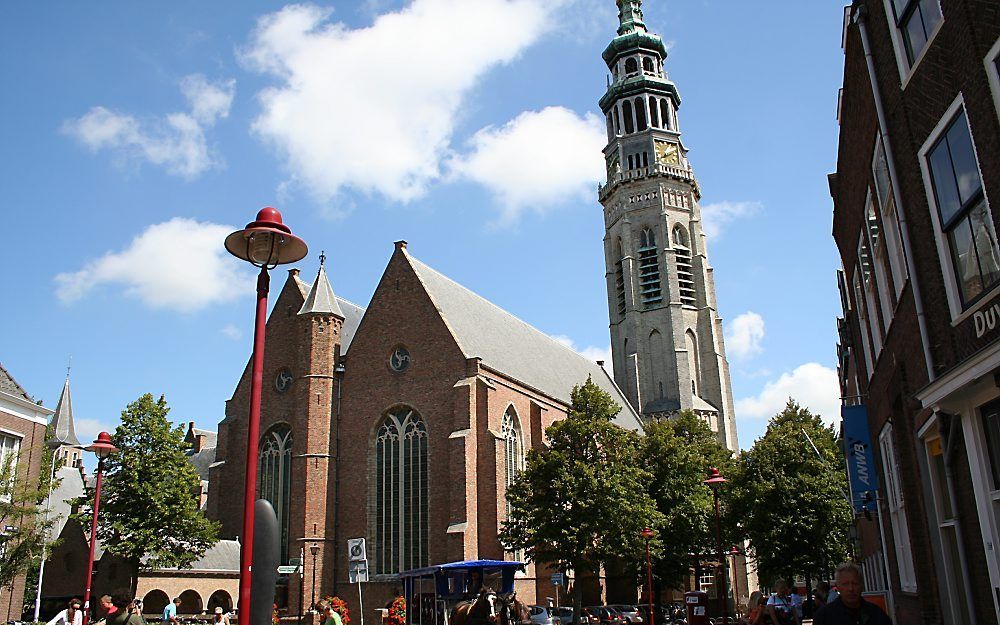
400	423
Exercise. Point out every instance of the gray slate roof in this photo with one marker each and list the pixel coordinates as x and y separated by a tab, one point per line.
222	556
211	437
321	299
202	460
351	312
11	387
70	488
506	344
63	430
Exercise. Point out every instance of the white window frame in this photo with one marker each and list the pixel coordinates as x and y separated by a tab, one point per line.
12	452
870	289
863	325
891	232
958	315
906	69
993	73
896	509
880	260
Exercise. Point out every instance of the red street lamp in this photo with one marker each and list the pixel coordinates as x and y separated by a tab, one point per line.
103	447
715	481
648	534
266	242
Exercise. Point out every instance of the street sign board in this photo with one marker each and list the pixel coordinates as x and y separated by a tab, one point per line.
356	550
294	561
358	572
288	570
557	579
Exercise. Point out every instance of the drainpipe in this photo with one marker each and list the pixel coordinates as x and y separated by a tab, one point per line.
859	17
948	425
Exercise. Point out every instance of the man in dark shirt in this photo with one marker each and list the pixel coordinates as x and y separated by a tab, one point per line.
850	608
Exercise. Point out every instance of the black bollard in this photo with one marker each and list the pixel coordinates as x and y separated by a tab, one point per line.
264	574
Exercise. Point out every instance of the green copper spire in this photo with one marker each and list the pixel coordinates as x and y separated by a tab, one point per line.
630	16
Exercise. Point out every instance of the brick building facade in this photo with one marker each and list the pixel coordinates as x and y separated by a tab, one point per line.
400	423
916	211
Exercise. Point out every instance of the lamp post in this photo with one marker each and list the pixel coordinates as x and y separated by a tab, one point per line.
314	550
266	243
715	481
648	534
102	447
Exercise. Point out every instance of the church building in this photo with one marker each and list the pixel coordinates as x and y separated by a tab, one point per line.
404	422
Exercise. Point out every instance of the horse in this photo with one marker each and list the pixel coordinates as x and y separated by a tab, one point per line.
512	610
480	611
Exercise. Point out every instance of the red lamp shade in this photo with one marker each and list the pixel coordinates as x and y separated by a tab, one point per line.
715	478
266	241
647	533
103	446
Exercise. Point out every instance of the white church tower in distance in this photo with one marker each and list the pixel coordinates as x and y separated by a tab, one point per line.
666	334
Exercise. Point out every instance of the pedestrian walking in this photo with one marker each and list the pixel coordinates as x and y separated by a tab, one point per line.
755	609
170	612
72	615
779	605
124	611
220	617
850	608
822	595
796	600
331	617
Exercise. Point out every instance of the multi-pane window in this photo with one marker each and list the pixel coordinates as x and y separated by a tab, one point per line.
685	275
863	325
10	446
401	498
956	609
879	260
274	477
961	205
510	430
916	21
649	269
620	278
897	512
886	202
866	268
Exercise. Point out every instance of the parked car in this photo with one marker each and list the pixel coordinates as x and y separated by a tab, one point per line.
630	613
602	615
562	616
539	615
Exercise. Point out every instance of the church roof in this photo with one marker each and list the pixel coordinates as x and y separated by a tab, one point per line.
70	487
321	299
11	387
202	460
512	347
350	311
63	430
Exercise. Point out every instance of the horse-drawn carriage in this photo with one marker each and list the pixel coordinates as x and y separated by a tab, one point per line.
474	592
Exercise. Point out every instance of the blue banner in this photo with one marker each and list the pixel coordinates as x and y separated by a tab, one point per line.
860	458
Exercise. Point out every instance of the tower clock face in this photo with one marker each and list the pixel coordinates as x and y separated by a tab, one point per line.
668	153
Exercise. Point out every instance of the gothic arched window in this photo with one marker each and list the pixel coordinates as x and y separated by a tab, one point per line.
627	114
401	501
694	361
665	115
619	258
685	273
653	114
510	430
631	66
647	64
274	477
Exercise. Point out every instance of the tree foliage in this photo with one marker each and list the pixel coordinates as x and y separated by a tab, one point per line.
149	511
790	502
23	526
677	453
581	502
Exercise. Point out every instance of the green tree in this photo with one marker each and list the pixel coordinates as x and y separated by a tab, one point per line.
581	502
790	501
677	453
149	508
23	526
47	482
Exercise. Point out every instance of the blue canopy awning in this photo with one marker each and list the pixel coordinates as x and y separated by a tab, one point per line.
428	571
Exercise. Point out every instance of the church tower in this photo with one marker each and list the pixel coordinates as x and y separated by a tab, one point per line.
666	334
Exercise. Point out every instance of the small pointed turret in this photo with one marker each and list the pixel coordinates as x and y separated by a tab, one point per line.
63	429
321	300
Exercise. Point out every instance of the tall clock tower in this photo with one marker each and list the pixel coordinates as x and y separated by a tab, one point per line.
666	334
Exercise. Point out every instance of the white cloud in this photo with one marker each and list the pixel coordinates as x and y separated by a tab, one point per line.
179	264
590	353
812	385
538	159
744	335
717	216
230	331
375	108
88	429
177	142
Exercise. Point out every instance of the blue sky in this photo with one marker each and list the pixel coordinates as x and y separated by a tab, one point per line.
135	136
